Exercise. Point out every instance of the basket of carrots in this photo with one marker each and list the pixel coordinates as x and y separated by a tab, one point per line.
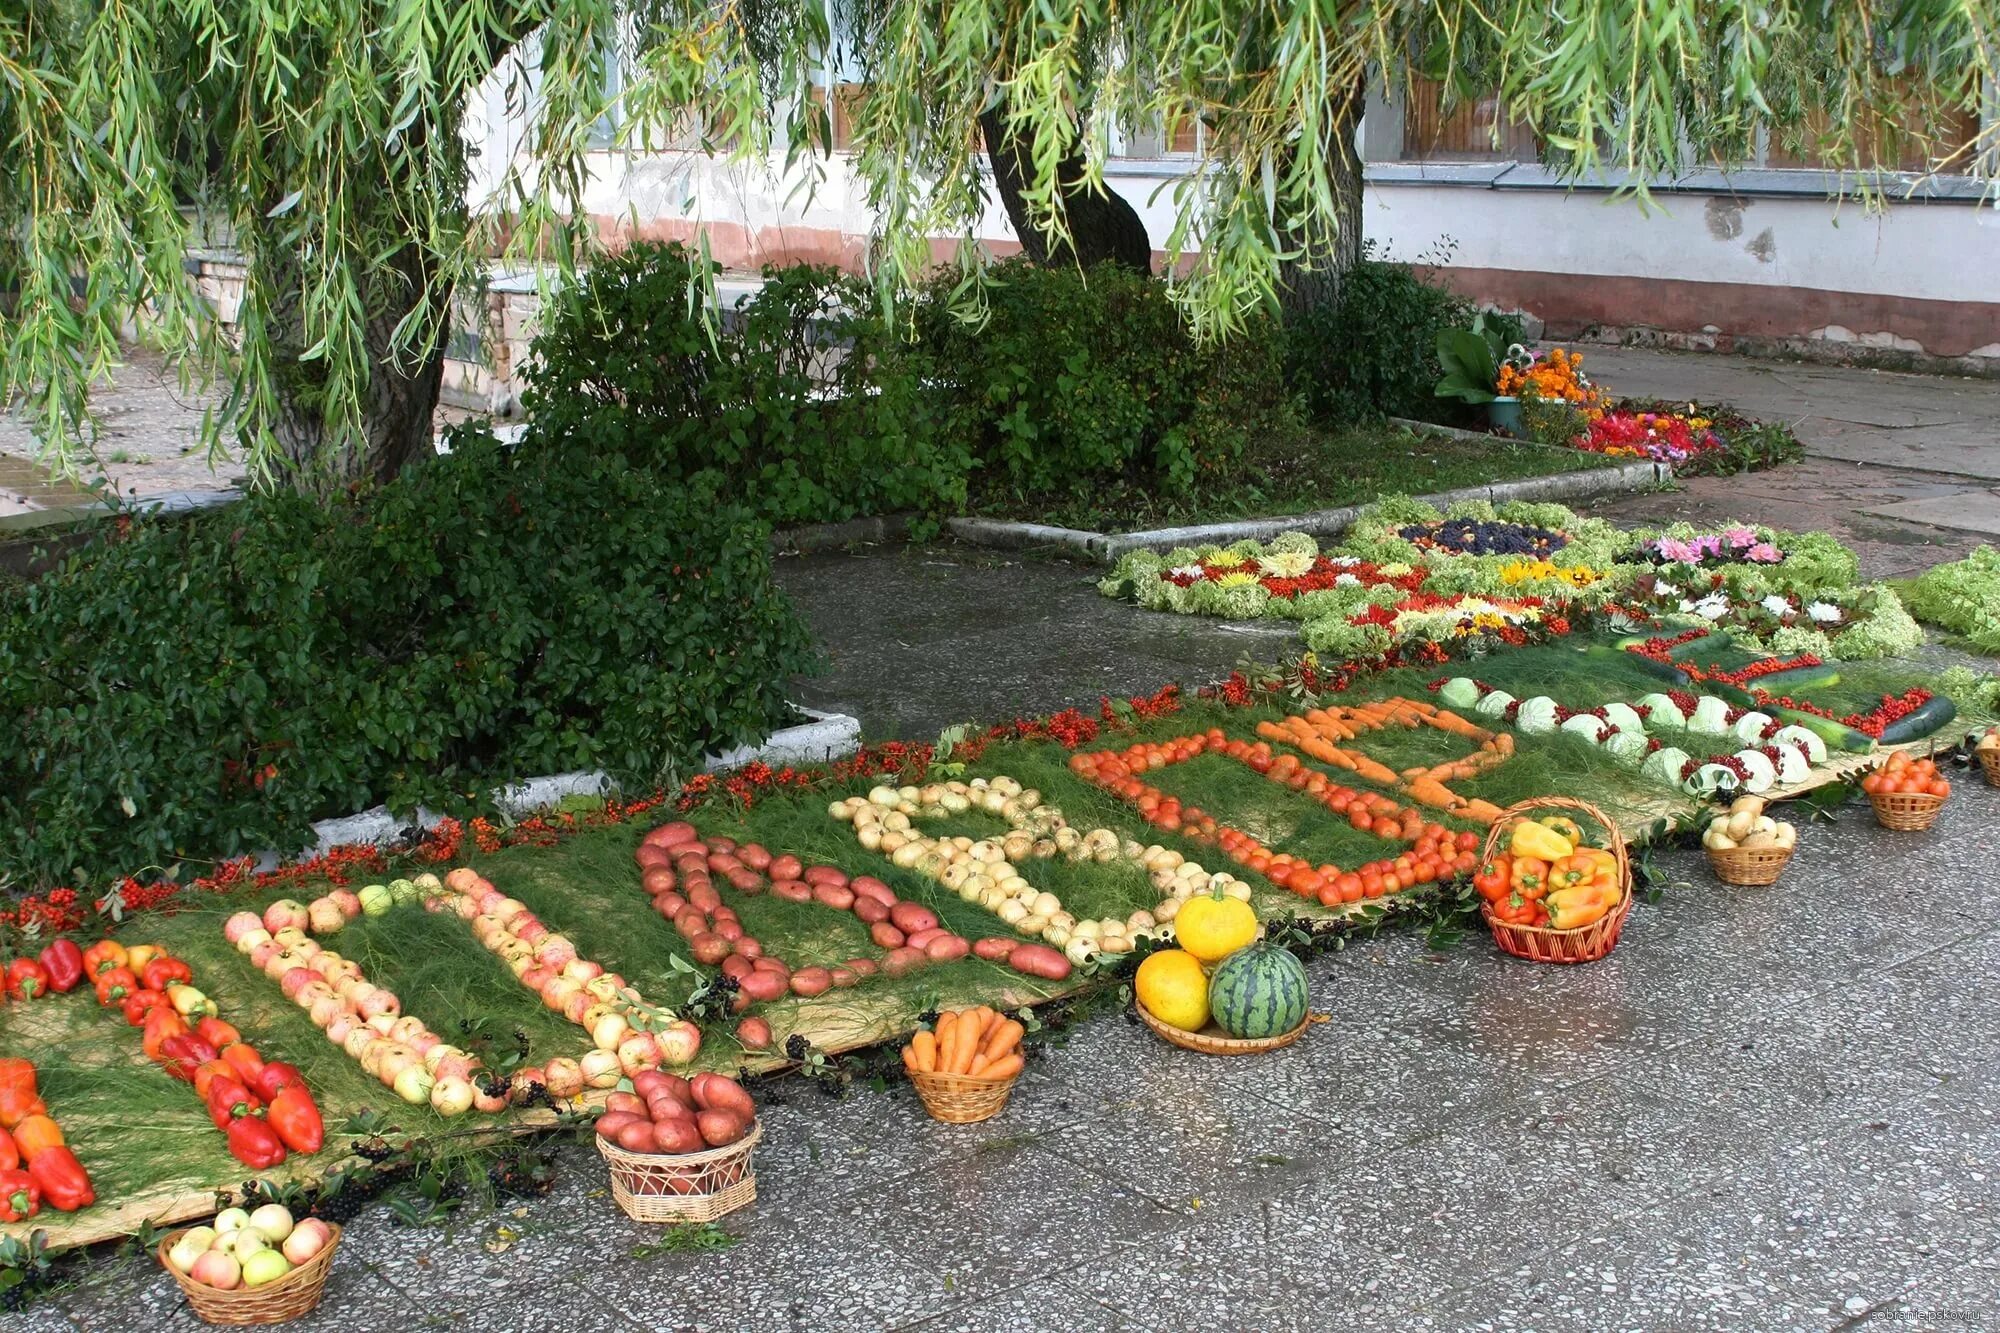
964	1067
1550	895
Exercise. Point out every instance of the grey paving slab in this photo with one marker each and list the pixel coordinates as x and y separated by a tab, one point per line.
1959	1297
1965	511
1031	1307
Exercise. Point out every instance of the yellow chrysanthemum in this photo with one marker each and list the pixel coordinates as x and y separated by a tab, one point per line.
1225	560
1395	569
1285	564
1236	579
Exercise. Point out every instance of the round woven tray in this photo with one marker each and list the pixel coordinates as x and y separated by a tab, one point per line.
1212	1040
291	1296
960	1099
1906	811
683	1187
1545	944
1750	867
1990	761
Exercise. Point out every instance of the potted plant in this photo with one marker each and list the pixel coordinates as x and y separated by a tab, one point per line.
1472	359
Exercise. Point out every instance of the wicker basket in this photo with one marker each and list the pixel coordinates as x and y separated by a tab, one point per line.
1990	761
1906	811
1212	1040
960	1099
1750	867
1546	944
293	1295
683	1187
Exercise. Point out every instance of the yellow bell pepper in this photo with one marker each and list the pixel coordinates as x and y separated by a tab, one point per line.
1585	867
1571	908
1540	842
1564	825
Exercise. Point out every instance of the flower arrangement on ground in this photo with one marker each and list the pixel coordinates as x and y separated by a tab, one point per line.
1964	598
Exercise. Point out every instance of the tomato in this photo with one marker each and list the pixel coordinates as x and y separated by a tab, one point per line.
1349	886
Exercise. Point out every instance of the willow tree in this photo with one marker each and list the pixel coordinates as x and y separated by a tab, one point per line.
324	137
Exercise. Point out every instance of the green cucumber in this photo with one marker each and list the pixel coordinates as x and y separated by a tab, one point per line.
1837	735
1936	712
1714	641
1820	677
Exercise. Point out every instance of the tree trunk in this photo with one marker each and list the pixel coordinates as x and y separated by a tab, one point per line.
1312	279
1102	226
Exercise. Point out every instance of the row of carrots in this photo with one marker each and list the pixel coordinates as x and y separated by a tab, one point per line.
36	1165
976	1043
1316	731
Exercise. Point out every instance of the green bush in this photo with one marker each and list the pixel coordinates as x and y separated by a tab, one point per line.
1076	379
209	686
802	406
1373	351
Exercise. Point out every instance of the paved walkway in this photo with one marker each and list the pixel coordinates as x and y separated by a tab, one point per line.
1769	1109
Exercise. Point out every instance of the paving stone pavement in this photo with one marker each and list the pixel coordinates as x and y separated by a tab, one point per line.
1769	1109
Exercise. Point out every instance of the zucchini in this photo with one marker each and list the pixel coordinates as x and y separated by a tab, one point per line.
1712	642
1820	677
1937	712
1837	735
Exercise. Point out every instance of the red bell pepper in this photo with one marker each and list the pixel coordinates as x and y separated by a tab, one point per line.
10	1154
140	1003
277	1076
161	1023
101	957
65	1184
243	1058
17	1093
64	962
254	1143
182	1056
20	1196
114	984
229	1100
204	1077
217	1033
164	971
295	1116
27	978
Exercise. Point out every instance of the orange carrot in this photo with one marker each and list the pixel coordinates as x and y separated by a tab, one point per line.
947	1041
1005	1067
923	1047
1005	1038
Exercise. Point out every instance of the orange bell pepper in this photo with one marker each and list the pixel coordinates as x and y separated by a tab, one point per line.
1530	877
1570	909
161	1023
36	1135
101	957
17	1093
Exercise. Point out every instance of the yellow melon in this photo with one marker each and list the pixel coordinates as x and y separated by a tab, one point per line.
1174	989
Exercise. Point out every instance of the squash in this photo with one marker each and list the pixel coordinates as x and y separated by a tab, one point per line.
1174	989
1213	926
1258	992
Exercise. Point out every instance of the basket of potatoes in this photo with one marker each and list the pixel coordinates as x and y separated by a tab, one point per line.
1748	847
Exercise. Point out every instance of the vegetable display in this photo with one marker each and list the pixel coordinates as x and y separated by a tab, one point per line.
672	1116
1746	825
36	1166
1549	875
1905	774
979	1042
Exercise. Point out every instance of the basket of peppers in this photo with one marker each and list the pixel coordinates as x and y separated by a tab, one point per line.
1550	891
37	1168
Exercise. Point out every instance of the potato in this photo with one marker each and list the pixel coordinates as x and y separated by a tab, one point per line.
677	1136
808	982
658	880
870	909
785	867
763	985
912	917
1038	960
745	880
611	1122
750	947
995	948
709	948
635	1135
901	962
844	976
754	1033
825	875
625	1101
873	888
919	939
837	896
653	1083
663	1108
886	936
793	890
947	948
750	854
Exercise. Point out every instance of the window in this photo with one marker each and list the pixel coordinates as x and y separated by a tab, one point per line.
1464	133
1151	141
1902	149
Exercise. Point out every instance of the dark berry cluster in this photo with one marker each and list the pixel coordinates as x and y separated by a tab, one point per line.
1472	536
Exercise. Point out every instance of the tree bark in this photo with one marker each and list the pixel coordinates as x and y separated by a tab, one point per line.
1103	228
1312	280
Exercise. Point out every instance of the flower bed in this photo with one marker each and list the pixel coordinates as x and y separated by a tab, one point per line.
1963	598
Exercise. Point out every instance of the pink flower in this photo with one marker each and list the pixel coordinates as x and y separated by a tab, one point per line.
1764	554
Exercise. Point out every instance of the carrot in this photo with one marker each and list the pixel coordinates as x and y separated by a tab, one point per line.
1006	1037
968	1044
910	1059
1484	812
947	1042
988	1020
1428	791
1373	772
923	1047
1005	1067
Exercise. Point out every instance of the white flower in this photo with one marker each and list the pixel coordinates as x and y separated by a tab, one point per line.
1186	572
1346	581
1343	561
1824	612
1777	605
1665	589
1712	607
1285	564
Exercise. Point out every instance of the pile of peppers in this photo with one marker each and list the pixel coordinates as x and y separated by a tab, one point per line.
1549	876
263	1108
55	971
36	1166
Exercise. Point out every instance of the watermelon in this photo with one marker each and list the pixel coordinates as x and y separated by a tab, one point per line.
1258	992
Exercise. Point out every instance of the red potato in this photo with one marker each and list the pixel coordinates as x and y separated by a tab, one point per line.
873	887
761	985
885	935
995	948
626	1101
837	896
719	1129
721	863
1038	960
947	948
825	875
737	967
704	897
663	1108
844	976
691	862
777	965
750	947
653	858
724	913
709	948
869	909
719	1092
677	1136
808	982
722	844
744	880
920	938
650	1083
793	890
657	880
729	930
785	867
902	962
611	1122
671	904
666	835
750	854
912	917
863	967
635	1136
754	1034
691	921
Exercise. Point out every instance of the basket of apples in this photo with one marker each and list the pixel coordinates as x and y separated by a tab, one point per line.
679	1149
1987	751
252	1267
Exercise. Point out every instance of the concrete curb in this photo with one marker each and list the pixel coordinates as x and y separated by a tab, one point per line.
825	736
1107	548
810	537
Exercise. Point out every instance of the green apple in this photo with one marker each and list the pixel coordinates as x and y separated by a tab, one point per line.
273	1222
264	1267
376	899
403	891
232	1219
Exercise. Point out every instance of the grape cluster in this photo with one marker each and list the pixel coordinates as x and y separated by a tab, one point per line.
1472	536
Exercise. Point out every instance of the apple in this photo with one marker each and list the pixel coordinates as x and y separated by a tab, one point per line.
451	1096
348	901
600	1069
376	899
679	1043
455	1066
406	1026
403	891
461	878
291	937
379	1003
582	969
605	986
358	1041
273	1221
490	1102
245	1243
437	1053
526	1079
382	1023
556	992
537	977
427	883
307	1239
241	925
555	951
264	1267
577	1008
218	1270
528	929
637	1053
232	1219
424	1041
325	1009
251	940
343	1023
324	916
413	1084
286	913
563	1077
190	1248
465	907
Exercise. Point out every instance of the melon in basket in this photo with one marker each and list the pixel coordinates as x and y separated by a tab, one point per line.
1258	992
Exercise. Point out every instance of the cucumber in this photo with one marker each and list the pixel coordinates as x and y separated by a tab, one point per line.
1838	735
1712	642
1937	712
1653	666
1819	677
